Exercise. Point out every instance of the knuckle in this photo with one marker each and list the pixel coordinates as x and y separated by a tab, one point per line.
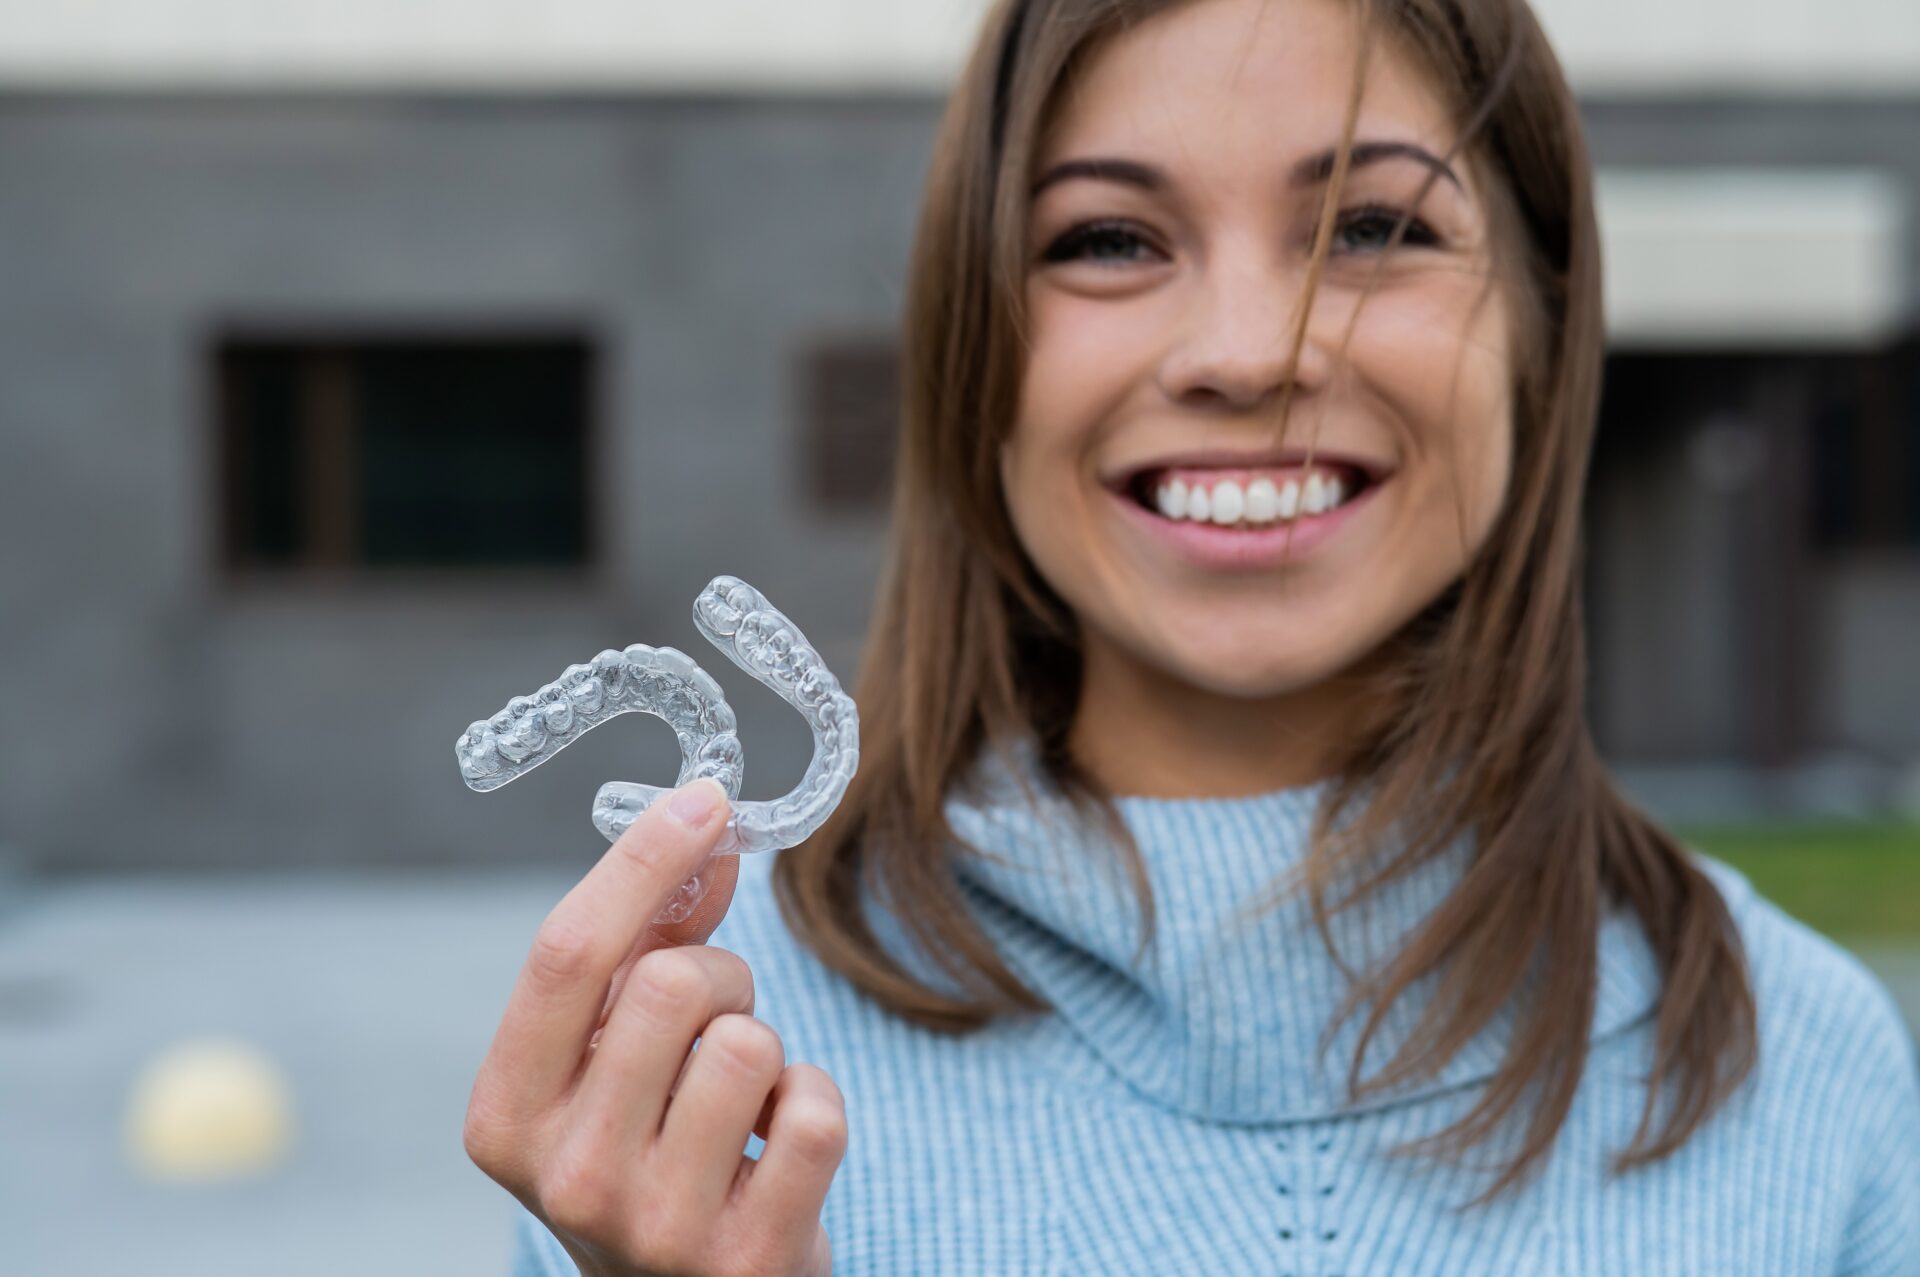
577	1196
665	986
745	1045
482	1145
484	1136
495	1130
741	971
562	954
817	1130
815	1080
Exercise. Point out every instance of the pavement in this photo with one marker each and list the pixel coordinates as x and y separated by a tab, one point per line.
375	994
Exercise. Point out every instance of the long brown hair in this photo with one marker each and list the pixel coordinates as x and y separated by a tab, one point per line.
1477	722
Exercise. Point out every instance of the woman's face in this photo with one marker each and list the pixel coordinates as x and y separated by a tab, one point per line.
1144	474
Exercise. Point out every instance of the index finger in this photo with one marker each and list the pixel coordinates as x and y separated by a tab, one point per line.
563	985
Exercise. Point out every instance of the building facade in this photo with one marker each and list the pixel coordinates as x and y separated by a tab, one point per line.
362	371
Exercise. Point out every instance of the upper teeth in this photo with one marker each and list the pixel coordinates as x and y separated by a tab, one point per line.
1226	502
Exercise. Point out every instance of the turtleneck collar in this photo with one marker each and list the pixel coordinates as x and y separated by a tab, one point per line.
1221	1016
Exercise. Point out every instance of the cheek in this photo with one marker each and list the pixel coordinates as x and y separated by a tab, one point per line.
1036	476
1448	378
1083	357
1076	378
1482	435
1091	342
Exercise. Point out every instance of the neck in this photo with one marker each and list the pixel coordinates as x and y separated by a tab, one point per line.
1142	732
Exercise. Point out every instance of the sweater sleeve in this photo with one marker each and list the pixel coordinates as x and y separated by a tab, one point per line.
1883	1227
535	1252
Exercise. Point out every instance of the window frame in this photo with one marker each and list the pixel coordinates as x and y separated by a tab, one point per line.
335	567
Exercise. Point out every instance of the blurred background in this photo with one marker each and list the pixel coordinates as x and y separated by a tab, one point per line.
364	364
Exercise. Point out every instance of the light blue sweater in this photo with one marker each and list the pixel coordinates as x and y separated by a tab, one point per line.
1172	1118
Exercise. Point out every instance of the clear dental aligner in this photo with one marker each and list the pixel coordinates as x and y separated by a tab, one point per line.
664	682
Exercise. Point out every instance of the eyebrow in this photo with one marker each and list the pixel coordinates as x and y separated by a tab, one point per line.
1308	172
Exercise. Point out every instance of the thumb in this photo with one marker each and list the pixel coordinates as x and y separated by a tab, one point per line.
721	874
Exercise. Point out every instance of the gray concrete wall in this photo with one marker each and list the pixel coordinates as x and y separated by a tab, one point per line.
1872	654
154	715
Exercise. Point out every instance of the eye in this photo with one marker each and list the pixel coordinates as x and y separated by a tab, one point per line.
1087	239
1370	226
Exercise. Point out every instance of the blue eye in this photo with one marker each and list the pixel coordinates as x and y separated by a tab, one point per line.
1079	240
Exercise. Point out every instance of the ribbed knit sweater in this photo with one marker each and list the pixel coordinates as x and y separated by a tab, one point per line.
1172	1116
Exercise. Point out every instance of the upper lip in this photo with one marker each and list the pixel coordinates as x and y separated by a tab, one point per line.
1123	478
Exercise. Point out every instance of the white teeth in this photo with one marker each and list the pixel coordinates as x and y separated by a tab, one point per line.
1228	502
1289	498
1263	501
1314	499
1172	499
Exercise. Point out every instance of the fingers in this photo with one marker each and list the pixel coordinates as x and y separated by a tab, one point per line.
806	1139
563	986
736	1065
672	996
642	1166
723	873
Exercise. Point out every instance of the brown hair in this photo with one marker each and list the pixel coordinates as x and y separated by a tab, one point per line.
1477	723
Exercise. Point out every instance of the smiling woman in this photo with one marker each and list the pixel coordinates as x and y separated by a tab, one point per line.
1210	143
1251	364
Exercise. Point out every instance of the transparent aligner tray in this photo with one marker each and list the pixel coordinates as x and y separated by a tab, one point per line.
669	684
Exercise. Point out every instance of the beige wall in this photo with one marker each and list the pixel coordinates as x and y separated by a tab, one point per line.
1616	47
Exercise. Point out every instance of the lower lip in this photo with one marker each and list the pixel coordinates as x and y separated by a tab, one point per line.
1286	541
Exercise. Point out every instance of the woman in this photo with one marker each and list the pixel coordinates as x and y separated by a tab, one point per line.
1252	356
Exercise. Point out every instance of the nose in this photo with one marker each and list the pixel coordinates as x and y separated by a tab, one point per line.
1233	347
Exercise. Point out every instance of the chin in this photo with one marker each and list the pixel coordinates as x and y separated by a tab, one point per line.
1299	634
1246	671
1258	685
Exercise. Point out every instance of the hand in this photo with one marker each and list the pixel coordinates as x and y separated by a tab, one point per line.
594	1110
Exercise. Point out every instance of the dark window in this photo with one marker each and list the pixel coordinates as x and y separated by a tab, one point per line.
1722	480
850	401
1866	450
368	454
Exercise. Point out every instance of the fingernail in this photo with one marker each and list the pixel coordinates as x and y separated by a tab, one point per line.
695	801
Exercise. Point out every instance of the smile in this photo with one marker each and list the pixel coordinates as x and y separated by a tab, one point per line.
1247	498
1238	518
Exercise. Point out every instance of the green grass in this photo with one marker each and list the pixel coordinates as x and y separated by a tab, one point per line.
1853	881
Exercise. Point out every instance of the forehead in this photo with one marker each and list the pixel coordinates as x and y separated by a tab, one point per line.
1240	87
